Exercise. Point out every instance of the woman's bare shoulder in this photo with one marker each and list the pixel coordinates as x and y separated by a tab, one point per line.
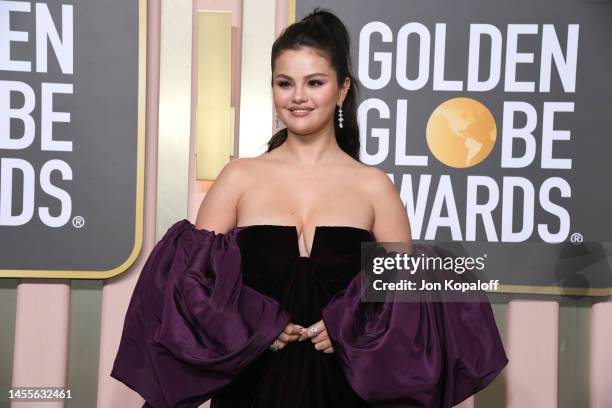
376	180
237	168
391	222
369	176
235	175
218	208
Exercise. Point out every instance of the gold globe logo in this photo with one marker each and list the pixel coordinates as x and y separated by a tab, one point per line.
461	132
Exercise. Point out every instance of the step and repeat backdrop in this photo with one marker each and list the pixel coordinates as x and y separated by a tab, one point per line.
71	137
493	120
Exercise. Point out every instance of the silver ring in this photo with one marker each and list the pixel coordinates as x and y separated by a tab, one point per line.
274	346
314	331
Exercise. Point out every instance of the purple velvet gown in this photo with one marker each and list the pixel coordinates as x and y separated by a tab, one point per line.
207	306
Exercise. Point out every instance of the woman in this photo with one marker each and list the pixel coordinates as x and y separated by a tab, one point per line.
258	305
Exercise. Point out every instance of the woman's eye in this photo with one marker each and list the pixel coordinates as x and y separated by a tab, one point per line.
312	83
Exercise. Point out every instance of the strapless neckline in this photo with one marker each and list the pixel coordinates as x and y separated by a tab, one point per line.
294	230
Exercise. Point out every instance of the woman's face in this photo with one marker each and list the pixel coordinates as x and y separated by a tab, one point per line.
305	90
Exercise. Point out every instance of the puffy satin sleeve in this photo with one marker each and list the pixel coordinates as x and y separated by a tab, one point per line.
191	325
417	353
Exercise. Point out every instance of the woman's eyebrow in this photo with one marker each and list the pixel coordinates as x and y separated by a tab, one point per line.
307	76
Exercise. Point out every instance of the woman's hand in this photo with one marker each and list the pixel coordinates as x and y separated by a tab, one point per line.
289	334
321	340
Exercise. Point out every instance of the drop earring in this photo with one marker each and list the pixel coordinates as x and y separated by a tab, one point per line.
340	118
277	121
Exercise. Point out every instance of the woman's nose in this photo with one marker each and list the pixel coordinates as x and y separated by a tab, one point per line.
299	94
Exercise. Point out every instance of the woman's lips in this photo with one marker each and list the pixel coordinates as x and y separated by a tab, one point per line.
300	112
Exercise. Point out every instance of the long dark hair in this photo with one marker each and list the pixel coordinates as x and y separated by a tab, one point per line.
323	31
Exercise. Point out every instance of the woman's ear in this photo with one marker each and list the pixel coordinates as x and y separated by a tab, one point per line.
344	90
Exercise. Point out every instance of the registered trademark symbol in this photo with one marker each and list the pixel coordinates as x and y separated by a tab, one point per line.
78	222
576	238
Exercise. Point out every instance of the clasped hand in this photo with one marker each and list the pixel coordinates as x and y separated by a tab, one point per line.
295	332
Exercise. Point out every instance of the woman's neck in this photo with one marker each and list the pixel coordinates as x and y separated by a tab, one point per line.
315	148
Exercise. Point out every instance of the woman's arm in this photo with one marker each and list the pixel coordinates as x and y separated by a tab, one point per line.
391	222
218	209
411	353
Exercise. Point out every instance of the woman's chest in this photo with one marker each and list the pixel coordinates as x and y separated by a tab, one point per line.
304	207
